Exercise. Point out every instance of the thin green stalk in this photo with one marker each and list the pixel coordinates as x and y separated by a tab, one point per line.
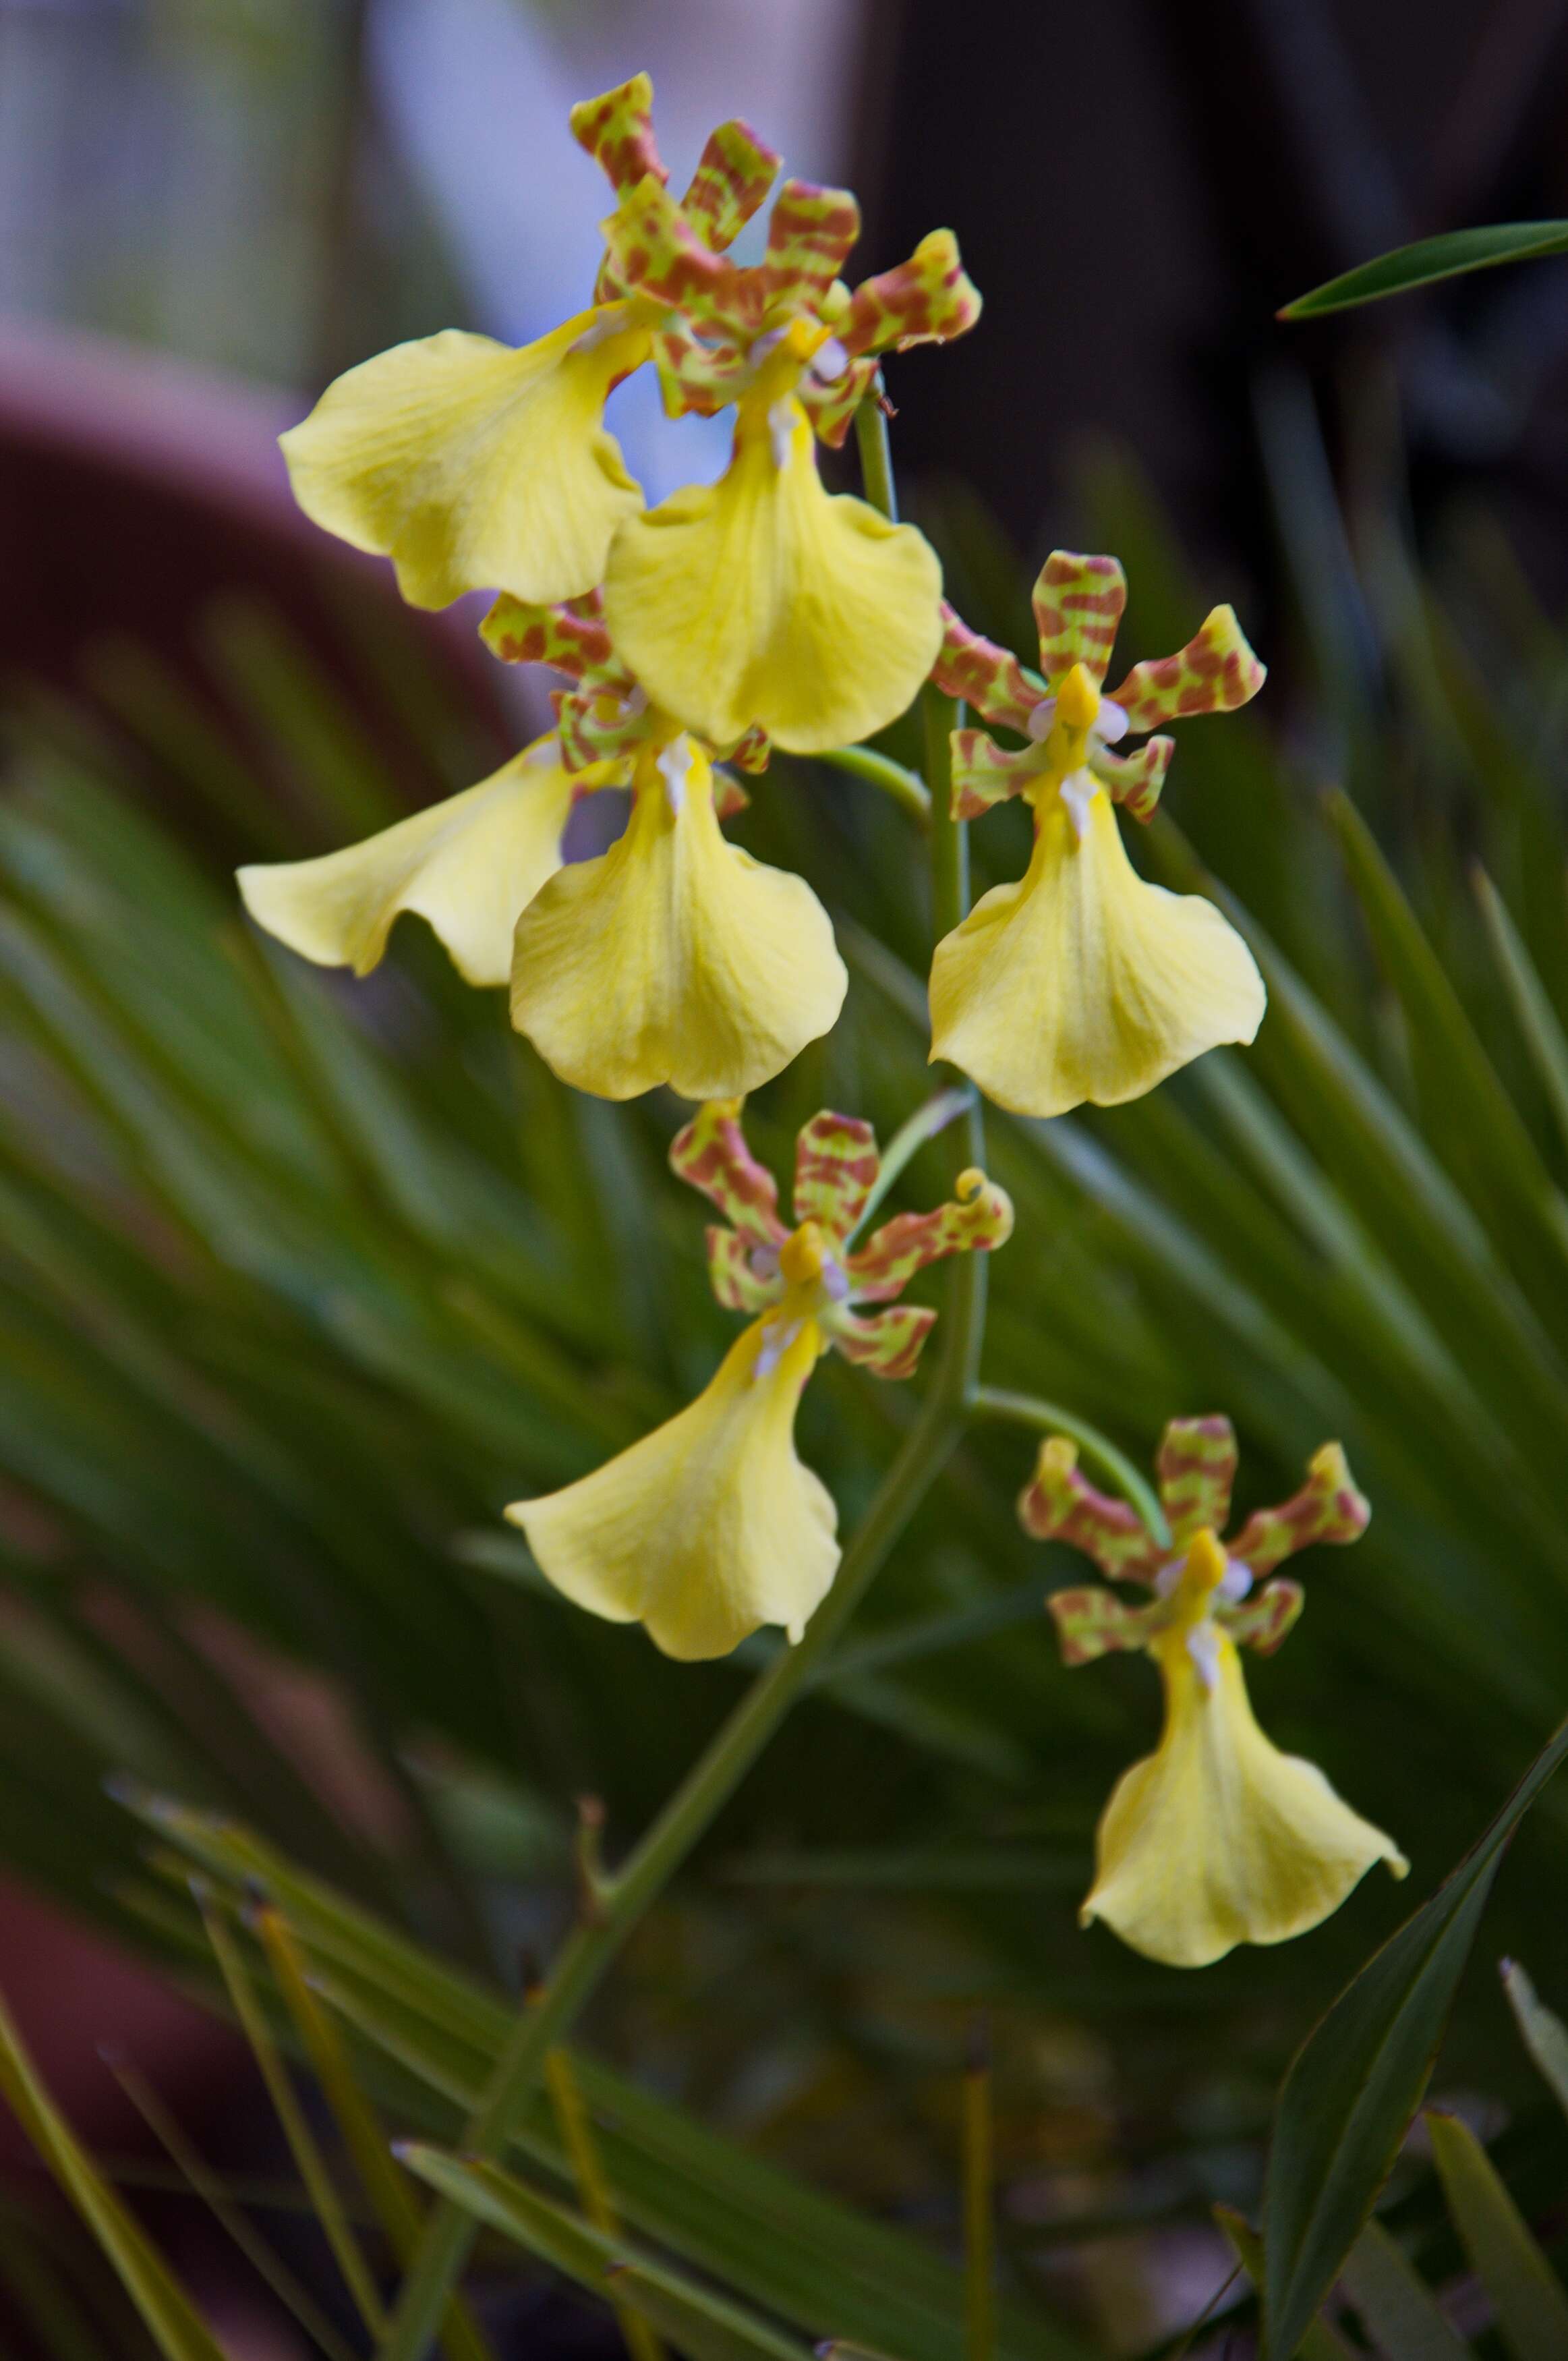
621	1901
572	2122
906	787
876	452
197	2174
908	1140
309	2162
1049	1417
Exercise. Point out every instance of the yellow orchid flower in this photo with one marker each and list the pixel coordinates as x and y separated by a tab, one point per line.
711	1526
759	599
469	867
763	599
674	957
473	465
1082	980
1217	1838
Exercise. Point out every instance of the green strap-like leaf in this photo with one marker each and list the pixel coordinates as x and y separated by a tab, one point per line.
703	2326
1356	2082
1545	2034
1318	2341
176	2326
1431	259
1527	2297
1398	2309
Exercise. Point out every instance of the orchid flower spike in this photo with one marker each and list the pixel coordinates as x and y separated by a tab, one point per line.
1216	1838
711	1526
475	466
1081	980
759	599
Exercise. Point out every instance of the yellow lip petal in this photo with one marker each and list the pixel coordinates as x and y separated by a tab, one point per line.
471	466
1082	982
675	957
1218	1838
761	599
710	1526
468	865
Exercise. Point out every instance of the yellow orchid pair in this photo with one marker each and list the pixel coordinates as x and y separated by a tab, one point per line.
755	612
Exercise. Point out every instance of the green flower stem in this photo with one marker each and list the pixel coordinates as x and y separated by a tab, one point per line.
876	452
621	1901
1049	1417
904	787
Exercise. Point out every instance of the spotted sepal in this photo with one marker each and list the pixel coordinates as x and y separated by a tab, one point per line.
728	795
810	230
831	404
929	300
617	129
835	1165
1134	780
750	753
711	1155
656	251
1095	1623
977	1220
1328	1508
603	723
1078	605
1196	1466
571	636
696	374
1213	673
984	773
1060	1505
990	678
1261	1621
887	1344
745	1276
734	173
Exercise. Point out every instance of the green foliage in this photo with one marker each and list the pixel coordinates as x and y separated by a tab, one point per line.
1430	259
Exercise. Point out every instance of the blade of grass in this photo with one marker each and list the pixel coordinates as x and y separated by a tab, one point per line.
1428	260
269	2268
1397	2307
361	2133
175	2325
593	2189
308	2161
1354	2086
1527	2297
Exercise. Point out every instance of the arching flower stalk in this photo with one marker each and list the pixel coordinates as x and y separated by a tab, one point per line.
1082	980
711	1525
1216	1838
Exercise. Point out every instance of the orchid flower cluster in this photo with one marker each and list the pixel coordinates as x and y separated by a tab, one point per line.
689	640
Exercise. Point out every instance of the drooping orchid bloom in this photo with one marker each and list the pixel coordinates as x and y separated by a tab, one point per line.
1082	980
711	1526
759	599
672	958
475	466
1217	1838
